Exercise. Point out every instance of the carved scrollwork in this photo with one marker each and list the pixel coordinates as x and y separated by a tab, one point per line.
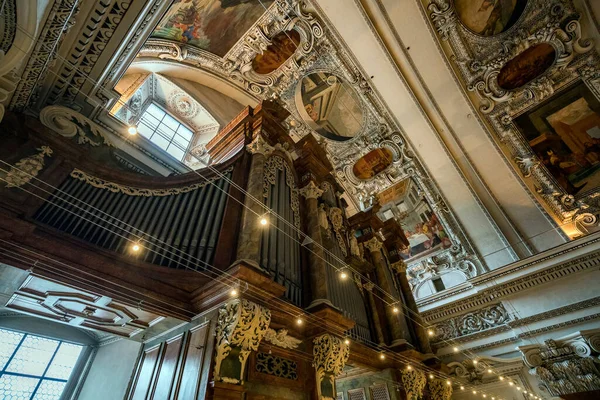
414	382
337	222
330	354
241	326
27	168
276	366
473	322
70	124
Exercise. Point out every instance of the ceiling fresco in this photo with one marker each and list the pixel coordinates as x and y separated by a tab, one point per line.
211	25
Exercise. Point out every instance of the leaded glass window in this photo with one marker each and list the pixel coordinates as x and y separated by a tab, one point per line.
33	367
166	132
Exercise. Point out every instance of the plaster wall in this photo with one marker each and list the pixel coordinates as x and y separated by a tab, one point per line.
110	372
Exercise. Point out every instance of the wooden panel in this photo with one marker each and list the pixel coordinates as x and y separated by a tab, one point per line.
168	368
192	367
145	374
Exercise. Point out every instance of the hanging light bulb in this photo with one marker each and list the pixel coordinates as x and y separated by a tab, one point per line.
299	321
263	220
343	274
430	332
347	341
462	388
489	371
430	376
136	247
132	130
382	356
524	391
233	292
510	383
474	391
449	383
408	367
474	362
501	378
396	310
456	349
484	395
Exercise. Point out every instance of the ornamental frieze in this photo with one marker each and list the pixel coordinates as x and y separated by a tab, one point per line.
473	322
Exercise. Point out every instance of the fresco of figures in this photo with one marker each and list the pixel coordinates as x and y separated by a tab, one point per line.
212	25
489	17
423	229
564	132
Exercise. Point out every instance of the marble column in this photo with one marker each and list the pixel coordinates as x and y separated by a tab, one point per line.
396	321
317	265
251	230
399	268
374	313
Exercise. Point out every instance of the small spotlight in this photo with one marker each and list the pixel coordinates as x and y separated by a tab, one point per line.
456	349
299	321
233	292
263	221
343	275
382	356
449	383
430	332
408	367
347	341
136	247
396	310
132	130
462	388
430	376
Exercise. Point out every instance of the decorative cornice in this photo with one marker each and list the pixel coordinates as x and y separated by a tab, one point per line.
133	191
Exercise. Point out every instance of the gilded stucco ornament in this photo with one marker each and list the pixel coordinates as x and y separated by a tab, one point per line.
27	168
479	61
241	326
337	222
374	245
330	354
414	382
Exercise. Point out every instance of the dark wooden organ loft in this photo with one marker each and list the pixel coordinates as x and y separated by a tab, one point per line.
71	215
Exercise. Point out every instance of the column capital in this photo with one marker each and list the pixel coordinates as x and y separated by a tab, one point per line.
373	245
399	267
241	324
260	146
311	191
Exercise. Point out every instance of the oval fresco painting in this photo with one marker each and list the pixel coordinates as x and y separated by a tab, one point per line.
526	66
489	17
283	46
330	106
373	163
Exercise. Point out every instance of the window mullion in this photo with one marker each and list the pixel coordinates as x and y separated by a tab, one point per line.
45	371
14	352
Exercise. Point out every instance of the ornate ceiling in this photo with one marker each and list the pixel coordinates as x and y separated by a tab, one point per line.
441	117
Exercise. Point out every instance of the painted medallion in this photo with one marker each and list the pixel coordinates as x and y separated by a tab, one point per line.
526	66
489	17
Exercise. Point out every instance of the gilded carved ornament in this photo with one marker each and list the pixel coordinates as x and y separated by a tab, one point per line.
337	222
374	245
133	191
330	354
414	382
281	338
27	168
241	324
439	390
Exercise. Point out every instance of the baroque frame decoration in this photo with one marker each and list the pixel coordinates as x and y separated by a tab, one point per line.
478	61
